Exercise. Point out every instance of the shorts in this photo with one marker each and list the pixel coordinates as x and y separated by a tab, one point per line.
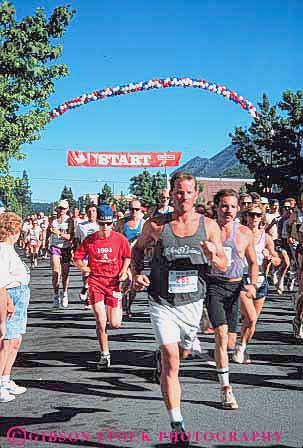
109	294
65	253
222	302
16	326
175	324
261	290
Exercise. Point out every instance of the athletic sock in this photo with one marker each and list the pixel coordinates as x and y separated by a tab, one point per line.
223	375
175	415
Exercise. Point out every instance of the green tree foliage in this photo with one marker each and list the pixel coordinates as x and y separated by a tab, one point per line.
68	195
106	195
147	187
239	171
27	75
271	146
23	194
122	203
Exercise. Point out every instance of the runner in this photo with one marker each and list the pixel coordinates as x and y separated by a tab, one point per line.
184	243
34	241
224	290
251	309
108	255
131	227
83	230
62	232
163	207
285	250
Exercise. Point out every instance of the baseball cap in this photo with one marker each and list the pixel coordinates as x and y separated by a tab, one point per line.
264	200
63	204
104	213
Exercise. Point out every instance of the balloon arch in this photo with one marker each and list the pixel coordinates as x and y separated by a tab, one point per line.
155	84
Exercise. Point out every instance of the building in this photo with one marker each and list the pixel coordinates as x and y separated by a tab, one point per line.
213	184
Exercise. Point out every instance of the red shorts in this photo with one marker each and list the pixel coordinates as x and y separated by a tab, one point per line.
105	290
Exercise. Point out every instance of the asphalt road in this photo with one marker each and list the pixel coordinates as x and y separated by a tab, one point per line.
68	404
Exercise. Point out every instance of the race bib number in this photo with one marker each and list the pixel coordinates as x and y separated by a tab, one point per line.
180	282
33	242
228	251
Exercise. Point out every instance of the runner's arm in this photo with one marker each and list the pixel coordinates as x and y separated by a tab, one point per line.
274	257
213	248
251	257
79	256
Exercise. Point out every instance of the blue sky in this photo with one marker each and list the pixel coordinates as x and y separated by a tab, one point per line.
250	48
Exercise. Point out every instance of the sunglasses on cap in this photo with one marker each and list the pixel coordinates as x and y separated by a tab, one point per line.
246	202
105	223
254	215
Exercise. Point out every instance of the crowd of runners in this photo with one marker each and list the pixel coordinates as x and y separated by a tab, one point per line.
215	260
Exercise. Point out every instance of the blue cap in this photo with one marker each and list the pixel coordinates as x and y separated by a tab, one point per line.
104	213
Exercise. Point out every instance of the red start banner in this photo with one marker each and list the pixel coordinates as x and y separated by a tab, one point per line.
123	159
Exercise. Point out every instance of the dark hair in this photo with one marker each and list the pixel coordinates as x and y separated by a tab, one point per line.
225	192
255	195
182	175
91	205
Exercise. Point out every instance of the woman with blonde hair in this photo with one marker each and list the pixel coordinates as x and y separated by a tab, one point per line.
14	280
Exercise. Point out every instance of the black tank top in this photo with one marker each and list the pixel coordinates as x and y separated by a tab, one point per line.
179	266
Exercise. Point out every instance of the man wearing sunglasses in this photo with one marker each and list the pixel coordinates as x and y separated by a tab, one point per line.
185	242
109	256
163	207
131	227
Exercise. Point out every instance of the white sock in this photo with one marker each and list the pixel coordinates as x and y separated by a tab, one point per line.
242	346
5	379
223	375
106	353
175	415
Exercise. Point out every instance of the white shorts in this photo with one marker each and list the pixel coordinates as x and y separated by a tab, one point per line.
178	324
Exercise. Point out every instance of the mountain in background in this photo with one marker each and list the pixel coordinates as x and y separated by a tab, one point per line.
223	164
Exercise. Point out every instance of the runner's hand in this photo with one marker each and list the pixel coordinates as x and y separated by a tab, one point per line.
250	291
266	254
209	249
141	282
123	276
85	270
10	308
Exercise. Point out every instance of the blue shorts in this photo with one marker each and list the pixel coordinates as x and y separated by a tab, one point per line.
261	291
17	324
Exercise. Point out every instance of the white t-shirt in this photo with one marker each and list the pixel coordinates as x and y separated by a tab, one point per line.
86	228
56	240
34	236
12	269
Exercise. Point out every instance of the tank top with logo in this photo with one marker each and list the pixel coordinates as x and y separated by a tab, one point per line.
178	266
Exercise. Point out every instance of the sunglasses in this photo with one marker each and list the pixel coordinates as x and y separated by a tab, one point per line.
103	224
246	203
134	209
164	197
254	215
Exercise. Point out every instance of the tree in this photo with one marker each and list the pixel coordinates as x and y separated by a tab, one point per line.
27	73
68	195
122	203
271	146
106	195
147	187
24	195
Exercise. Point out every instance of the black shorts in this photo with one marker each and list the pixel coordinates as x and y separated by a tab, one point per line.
222	302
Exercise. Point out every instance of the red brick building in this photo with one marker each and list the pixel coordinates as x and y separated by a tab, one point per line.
213	184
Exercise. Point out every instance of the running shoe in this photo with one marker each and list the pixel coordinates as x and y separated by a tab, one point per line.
291	284
157	366
241	356
227	398
83	294
65	300
56	302
5	396
180	436
14	389
103	363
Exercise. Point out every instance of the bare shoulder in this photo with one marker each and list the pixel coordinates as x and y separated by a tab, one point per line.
211	224
245	231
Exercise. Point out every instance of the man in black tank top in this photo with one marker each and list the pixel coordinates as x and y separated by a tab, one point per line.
185	244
